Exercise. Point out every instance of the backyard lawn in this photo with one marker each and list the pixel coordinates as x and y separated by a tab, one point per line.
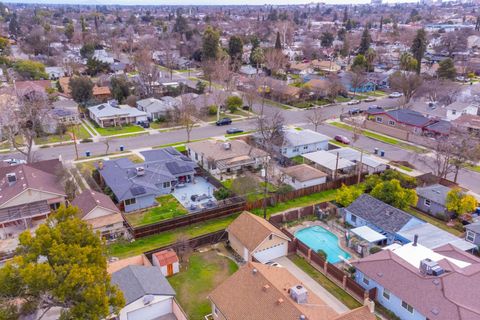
109	131
168	208
128	249
80	134
196	279
436	222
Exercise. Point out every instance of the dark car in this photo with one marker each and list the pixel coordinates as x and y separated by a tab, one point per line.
144	124
234	130
342	139
224	122
246	108
355	111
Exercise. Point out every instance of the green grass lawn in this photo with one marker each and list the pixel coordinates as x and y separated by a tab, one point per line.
436	222
341	99
168	208
119	130
128	249
277	104
311	199
329	285
203	273
297	159
80	133
473	168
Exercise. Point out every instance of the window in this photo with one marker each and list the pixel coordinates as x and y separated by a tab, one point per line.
366	280
427	202
270	237
391	122
295	149
305	147
386	294
215	310
407	307
353	218
454	112
470	236
166	184
130	201
379	119
55	206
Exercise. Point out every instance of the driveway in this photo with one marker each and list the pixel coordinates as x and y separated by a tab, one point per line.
313	285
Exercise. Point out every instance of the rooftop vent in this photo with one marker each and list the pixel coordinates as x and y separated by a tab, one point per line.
279	301
299	294
415	240
266	287
254	271
140	171
430	268
227	146
11	178
302	317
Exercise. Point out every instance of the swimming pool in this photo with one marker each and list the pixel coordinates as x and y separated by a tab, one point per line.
317	238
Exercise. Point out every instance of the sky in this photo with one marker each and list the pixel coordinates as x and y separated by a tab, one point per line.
202	2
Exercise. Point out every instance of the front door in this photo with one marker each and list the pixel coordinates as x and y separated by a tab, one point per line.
169	269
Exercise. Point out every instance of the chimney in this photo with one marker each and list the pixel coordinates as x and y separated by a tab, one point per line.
266	287
415	240
11	178
279	301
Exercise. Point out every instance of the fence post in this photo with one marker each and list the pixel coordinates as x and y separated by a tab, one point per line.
309	255
344	281
325	266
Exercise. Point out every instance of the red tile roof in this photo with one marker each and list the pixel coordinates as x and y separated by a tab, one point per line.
166	257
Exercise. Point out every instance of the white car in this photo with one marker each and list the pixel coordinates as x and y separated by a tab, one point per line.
273	264
395	95
353	102
13	162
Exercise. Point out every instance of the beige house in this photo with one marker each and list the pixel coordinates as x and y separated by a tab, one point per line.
303	176
100	211
255	238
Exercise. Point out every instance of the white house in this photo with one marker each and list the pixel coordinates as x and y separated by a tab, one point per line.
303	176
252	237
54	73
456	109
156	108
297	142
111	115
103	56
148	295
167	261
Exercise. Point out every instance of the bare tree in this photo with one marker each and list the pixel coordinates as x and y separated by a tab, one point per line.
465	150
453	41
442	91
148	73
187	113
440	162
315	117
406	82
357	79
223	73
275	60
106	142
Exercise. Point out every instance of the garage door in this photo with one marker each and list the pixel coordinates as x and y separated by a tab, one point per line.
272	253
151	311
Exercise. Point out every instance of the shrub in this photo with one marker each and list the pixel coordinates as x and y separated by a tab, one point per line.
322	254
86	140
375	249
233	103
221	193
212	110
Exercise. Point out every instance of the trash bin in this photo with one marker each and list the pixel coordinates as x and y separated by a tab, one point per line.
376	151
122	148
87	153
382	153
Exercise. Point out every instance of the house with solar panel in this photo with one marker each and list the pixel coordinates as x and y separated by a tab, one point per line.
136	185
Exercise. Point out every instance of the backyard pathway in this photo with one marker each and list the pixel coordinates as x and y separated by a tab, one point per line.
330	300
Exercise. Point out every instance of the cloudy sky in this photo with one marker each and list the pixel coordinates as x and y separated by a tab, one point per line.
201	2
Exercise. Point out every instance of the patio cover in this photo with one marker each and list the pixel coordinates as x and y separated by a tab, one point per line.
328	160
368	234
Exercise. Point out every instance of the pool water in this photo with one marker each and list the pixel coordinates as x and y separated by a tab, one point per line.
317	238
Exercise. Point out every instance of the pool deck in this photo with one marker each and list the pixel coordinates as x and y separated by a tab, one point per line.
199	187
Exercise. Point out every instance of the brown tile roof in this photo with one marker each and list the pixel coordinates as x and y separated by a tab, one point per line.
166	257
215	149
318	84
140	260
252	230
362	313
65	85
468	121
304	172
101	91
37	85
89	200
103	221
264	294
29	176
453	297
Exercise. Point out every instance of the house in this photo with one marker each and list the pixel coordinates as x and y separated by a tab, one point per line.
54	73
330	163
370	164
405	119
415	282
328	66
29	192
258	292
101	213
468	122
103	56
318	86
303	176
297	142
135	186
301	68
157	108
473	233
148	295
101	94
431	199
37	85
65	111
110	114
115	264
456	109
167	261
347	79
256	239
218	157
379	216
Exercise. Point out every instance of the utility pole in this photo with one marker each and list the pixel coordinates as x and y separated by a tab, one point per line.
360	167
75	140
336	167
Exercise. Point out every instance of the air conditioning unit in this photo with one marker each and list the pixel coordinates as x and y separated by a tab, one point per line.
11	178
140	171
430	268
299	294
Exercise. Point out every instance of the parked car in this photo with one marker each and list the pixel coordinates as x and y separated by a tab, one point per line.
354	111
234	130
342	139
461	79
246	108
144	124
224	122
370	99
353	102
395	95
12	161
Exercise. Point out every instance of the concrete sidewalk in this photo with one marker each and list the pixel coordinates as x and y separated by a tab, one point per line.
313	285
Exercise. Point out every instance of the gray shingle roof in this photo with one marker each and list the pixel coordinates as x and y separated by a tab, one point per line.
475	227
410	117
293	138
379	213
138	281
436	193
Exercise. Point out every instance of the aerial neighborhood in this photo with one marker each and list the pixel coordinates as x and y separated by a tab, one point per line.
235	161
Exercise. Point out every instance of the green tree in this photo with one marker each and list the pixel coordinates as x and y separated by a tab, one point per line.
69	30
394	194
459	202
408	62
181	25
326	39
370	57
95	66
211	44
278	42
446	69
235	50
365	41
257	57
13	26
63	265
87	50
359	62
346	195
233	103
4	47
419	46
30	70
82	89
83	24
120	88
